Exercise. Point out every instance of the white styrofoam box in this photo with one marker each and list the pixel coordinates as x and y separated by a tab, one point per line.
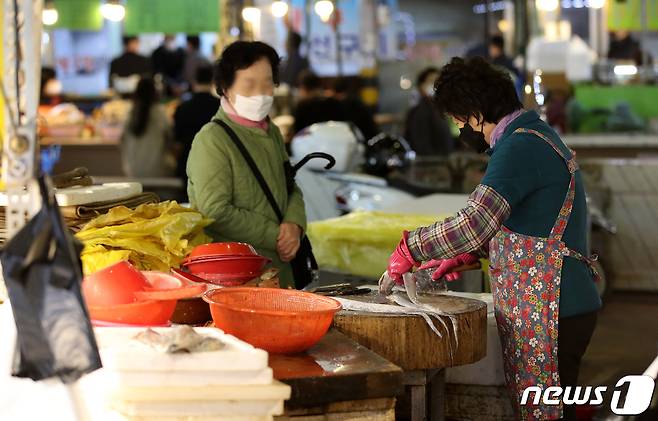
546	55
200	408
489	370
115	416
103	401
186	378
580	59
73	196
79	195
273	391
120	352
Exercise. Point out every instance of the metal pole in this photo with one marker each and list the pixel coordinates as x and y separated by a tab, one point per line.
339	54
238	5
307	25
487	4
643	44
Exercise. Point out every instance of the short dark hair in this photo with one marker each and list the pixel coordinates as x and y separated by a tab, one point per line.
240	55
473	88
497	41
128	39
425	74
309	81
194	41
294	40
203	75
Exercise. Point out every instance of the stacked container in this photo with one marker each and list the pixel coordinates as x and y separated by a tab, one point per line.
141	383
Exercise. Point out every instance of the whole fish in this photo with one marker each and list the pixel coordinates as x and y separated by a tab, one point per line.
179	339
406	302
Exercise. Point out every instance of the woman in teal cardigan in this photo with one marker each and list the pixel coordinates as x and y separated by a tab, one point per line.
529	217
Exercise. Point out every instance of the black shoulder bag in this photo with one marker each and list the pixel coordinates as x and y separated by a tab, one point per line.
304	262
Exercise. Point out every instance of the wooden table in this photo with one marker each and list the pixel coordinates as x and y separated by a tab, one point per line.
407	341
338	378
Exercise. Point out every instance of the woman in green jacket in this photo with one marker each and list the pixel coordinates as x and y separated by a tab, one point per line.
221	184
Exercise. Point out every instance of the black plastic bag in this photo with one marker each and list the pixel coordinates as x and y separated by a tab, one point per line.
42	270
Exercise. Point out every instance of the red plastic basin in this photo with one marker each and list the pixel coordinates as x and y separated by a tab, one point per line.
277	320
222	250
142	313
113	285
230	280
228	265
155	302
164	286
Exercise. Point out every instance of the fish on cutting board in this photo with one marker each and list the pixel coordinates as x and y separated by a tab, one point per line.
390	301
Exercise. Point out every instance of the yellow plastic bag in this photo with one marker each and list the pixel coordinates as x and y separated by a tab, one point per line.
152	237
360	243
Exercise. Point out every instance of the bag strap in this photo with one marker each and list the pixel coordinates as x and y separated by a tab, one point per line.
252	165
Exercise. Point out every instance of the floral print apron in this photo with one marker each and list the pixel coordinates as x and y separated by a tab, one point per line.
525	277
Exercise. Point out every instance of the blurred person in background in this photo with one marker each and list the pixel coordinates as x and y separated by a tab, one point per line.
626	48
130	63
426	130
147	136
498	57
295	63
313	106
354	110
167	60
222	186
192	114
193	59
51	87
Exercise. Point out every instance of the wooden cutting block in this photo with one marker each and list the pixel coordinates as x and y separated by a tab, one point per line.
407	341
273	391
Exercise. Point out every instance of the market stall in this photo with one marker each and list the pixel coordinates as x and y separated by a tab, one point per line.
187	328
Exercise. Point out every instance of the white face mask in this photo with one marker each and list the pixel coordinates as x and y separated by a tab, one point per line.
254	108
53	88
429	90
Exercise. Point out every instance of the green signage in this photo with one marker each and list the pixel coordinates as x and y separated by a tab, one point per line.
627	15
79	15
171	16
641	98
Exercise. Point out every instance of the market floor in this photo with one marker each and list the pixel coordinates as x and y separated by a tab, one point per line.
625	340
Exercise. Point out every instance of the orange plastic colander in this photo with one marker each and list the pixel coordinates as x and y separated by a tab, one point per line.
280	321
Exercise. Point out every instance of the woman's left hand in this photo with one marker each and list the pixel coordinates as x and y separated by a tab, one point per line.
288	241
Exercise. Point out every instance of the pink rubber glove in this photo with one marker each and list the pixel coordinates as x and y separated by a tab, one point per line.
401	261
445	267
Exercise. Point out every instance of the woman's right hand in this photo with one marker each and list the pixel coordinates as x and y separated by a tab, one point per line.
288	242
